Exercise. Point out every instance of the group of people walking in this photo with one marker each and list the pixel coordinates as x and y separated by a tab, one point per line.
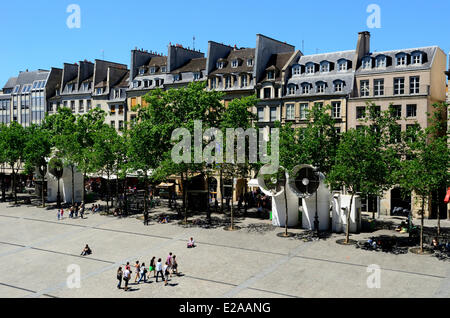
166	270
73	212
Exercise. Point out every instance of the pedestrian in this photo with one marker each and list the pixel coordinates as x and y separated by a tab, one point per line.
76	210
138	269
191	243
143	272
128	266
62	213
119	277
174	265
159	270
59	215
169	262
126	277
166	273
82	210
152	267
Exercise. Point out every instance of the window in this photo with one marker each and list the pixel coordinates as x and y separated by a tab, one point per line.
113	124
381	61
319	105
338	86
303	111
270	75
163	69
135	84
120	125
86	86
214	83
396	111
72	106
88	105
141	71
120	109
342	65
336	109
367	63
273	114
267	92
320	87
417	58
81	106
296	70
395	134
290	112
152	70
324	67
365	88
399	86
244	81
411	111
291	89
99	91
220	65
401	59
228	82
70	88
35	85
16	89
360	112
234	63
378	86
177	77
260	114
306	88
310	68
196	76
113	110
249	62
414	82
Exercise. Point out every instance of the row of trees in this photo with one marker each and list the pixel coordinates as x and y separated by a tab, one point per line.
367	160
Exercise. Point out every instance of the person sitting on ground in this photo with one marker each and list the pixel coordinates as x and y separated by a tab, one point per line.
191	243
97	208
86	251
163	219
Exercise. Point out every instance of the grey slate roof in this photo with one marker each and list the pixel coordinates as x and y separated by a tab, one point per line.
329	77
277	62
11	83
429	52
193	65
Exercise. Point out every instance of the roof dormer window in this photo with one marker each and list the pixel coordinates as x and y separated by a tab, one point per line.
197	76
292	89
99	91
338	86
324	67
270	75
310	68
320	87
220	65
417	58
380	61
16	89
401	59
249	62
367	63
342	65
234	63
163	69
152	70
177	77
296	70
69	87
141	71
306	88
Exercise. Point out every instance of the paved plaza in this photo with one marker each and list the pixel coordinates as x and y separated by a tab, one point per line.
36	251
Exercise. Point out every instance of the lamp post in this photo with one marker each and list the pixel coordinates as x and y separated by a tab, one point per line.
316	216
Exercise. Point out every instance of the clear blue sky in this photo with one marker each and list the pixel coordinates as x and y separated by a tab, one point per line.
35	34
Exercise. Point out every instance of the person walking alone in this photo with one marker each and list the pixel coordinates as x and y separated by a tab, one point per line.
152	267
159	270
174	265
138	270
119	277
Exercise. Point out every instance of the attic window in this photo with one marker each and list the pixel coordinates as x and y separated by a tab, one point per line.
163	69
367	63
381	61
99	91
324	67
310	68
342	65
296	70
234	64
338	86
197	76
16	89
320	87
141	71
220	65
270	75
177	77
153	70
401	59
70	87
306	88
417	58
249	62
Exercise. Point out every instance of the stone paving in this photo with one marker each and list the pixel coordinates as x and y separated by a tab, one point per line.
36	250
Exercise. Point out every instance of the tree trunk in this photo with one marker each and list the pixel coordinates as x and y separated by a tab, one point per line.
185	199
73	186
42	190
125	196
14	187
349	211
117	189
107	193
84	188
286	211
208	210
421	224
3	188
232	210
58	196
221	188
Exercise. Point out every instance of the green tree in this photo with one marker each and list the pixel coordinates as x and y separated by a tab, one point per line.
358	167
12	141
37	149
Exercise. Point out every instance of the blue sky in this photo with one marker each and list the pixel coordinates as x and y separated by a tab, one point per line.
35	34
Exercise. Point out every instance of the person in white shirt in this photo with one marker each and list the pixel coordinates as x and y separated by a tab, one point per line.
126	277
191	243
159	270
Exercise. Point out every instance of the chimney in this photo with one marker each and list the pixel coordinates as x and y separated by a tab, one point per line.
362	48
